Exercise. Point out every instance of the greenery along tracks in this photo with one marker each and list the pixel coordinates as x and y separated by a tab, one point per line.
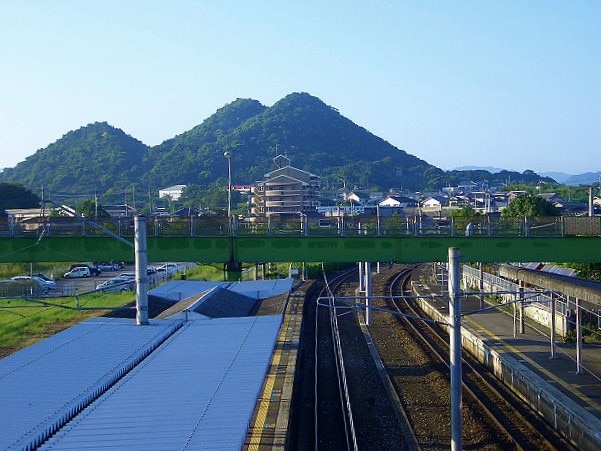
415	355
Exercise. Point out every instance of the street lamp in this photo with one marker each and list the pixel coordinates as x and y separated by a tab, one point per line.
232	266
227	154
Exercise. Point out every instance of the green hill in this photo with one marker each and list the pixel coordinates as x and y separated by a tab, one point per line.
96	158
102	159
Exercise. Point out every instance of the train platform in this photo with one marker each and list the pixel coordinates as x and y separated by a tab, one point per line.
527	355
269	426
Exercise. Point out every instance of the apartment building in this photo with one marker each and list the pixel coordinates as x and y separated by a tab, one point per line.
285	190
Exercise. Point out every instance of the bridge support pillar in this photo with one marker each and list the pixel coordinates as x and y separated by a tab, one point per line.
232	271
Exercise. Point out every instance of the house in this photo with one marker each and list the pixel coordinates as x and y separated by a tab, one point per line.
467	187
285	190
397	201
21	214
119	210
244	190
172	192
459	201
356	197
433	203
481	201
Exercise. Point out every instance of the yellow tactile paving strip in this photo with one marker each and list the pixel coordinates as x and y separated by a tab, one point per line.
548	374
269	426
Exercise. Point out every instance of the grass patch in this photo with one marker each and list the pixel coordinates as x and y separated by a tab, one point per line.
24	322
213	273
56	270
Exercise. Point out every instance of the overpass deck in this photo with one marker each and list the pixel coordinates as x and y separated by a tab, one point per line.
209	240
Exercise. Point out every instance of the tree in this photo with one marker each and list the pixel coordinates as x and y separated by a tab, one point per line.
464	212
530	206
88	209
15	195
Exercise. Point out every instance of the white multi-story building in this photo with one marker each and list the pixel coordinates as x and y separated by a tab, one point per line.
285	190
172	192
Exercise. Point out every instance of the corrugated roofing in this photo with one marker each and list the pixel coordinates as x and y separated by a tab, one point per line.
196	391
43	386
261	289
220	303
176	290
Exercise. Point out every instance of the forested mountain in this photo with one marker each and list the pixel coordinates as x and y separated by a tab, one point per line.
102	159
196	156
95	158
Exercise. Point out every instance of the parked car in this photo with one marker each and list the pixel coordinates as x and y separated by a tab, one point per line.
110	265
116	285
47	278
78	271
104	266
39	282
127	275
94	270
50	283
169	268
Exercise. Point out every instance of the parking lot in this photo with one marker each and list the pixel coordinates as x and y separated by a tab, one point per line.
71	287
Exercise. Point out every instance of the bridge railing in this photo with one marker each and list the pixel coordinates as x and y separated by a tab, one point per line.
303	225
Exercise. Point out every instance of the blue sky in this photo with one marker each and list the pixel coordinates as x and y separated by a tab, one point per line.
509	84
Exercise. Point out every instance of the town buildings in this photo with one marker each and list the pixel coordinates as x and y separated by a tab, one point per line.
284	191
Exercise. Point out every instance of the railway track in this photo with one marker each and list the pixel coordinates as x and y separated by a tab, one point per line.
342	401
493	417
339	401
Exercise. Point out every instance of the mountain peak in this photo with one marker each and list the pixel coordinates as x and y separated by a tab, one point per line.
315	136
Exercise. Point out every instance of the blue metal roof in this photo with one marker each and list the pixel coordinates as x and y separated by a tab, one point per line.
261	289
43	386
198	391
107	383
176	290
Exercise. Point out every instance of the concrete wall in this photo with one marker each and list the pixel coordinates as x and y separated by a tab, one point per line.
538	315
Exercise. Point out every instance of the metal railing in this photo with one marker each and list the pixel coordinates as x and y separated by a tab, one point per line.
303	225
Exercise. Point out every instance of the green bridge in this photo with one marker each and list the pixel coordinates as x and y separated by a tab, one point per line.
302	239
304	249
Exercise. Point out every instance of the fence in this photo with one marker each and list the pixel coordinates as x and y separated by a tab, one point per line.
308	225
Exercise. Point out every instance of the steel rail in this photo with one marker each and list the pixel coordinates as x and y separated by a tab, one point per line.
516	434
329	290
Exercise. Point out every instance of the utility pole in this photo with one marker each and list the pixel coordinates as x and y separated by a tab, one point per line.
455	343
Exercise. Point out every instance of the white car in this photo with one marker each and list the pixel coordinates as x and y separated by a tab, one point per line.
169	268
78	271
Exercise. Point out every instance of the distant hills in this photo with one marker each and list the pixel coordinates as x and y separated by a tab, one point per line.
102	159
560	177
587	178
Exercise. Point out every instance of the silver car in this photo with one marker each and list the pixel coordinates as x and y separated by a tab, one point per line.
116	285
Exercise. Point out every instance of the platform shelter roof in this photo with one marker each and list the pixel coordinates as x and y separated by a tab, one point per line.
107	383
